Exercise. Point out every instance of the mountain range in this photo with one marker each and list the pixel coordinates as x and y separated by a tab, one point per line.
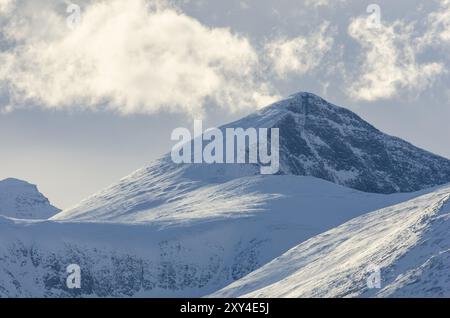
347	197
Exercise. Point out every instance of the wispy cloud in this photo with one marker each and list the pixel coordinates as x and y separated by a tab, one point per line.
390	61
322	3
133	57
438	26
6	6
301	54
130	58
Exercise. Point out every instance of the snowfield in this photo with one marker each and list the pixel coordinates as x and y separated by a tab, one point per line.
185	248
409	242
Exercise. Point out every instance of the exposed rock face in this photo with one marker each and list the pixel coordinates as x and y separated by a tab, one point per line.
325	141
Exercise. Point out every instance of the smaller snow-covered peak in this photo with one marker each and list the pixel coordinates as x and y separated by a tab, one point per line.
8	180
11	183
21	199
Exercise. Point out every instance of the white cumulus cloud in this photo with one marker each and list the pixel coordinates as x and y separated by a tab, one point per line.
126	56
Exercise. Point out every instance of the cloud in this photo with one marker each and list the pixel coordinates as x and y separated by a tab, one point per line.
323	3
301	54
6	6
132	57
128	57
390	61
438	26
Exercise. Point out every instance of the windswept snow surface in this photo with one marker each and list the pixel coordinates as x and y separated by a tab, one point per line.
163	190
22	200
408	242
186	247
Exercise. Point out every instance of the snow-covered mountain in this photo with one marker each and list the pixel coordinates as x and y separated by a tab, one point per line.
407	243
316	139
326	141
194	229
192	245
22	200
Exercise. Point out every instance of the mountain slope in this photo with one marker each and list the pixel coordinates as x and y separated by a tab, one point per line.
326	141
409	243
316	139
194	245
22	200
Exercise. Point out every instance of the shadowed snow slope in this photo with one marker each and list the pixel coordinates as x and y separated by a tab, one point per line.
409	242
193	245
22	200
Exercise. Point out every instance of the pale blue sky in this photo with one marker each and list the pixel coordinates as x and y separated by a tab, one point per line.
73	140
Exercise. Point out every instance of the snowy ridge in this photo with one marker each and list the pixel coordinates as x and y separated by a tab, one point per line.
22	200
147	194
189	248
409	242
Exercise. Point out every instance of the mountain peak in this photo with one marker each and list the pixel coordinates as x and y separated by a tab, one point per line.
305	102
14	181
21	199
305	95
327	141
